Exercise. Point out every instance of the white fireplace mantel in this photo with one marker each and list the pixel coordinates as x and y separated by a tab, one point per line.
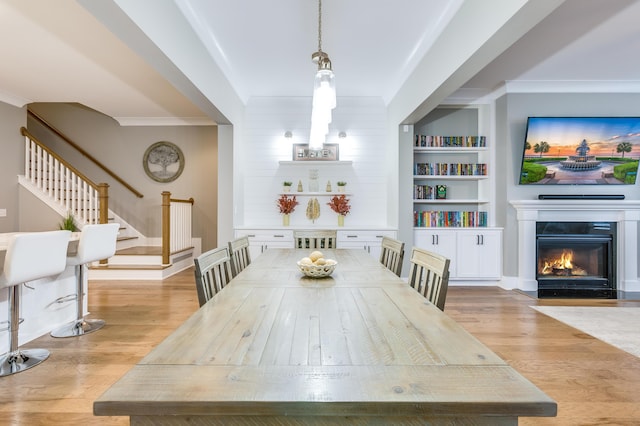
625	213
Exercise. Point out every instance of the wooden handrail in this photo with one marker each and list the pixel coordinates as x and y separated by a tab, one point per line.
83	152
26	133
177	200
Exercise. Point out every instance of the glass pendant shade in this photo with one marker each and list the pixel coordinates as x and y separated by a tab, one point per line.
324	100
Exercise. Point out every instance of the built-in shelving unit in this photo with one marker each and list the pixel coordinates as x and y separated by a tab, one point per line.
450	147
451	170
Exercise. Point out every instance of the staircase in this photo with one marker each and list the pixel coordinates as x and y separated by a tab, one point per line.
141	263
63	189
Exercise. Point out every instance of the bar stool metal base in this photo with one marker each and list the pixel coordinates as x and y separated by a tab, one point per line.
20	360
78	328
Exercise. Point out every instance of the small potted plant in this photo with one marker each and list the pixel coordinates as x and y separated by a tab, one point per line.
340	205
286	186
68	223
341	185
286	204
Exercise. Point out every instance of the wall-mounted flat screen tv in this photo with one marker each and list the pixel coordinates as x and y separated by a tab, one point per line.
581	151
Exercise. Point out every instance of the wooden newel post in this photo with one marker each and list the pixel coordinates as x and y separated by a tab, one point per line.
103	208
103	197
166	226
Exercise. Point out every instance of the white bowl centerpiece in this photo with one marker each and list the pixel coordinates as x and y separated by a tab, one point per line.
316	266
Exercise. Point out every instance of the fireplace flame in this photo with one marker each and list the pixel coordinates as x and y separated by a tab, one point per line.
564	262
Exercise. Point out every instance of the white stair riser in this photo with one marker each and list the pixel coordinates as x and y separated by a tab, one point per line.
135	260
137	274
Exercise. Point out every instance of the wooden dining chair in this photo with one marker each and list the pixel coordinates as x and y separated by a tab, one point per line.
429	275
213	273
240	256
392	254
315	239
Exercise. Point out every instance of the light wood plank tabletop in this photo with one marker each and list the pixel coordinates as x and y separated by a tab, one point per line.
359	347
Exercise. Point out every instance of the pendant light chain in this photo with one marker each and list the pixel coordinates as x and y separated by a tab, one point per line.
324	93
320	26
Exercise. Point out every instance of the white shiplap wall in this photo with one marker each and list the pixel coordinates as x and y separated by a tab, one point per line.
264	146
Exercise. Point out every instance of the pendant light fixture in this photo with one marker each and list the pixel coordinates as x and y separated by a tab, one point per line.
324	92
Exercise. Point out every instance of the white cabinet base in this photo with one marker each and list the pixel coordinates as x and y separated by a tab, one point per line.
369	240
475	253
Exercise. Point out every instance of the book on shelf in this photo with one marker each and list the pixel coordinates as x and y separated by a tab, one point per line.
426	141
429	192
424	192
449	219
450	169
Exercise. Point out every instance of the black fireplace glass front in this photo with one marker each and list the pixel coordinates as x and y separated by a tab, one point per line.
576	259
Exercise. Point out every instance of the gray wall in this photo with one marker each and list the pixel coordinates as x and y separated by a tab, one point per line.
512	111
34	215
11	163
121	149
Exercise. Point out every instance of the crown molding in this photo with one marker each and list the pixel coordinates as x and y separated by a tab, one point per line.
16	101
165	121
572	86
466	95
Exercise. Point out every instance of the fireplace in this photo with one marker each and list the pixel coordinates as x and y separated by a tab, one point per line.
624	213
576	259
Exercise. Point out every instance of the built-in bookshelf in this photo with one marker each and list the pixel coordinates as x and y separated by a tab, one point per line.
453	190
450	175
450	170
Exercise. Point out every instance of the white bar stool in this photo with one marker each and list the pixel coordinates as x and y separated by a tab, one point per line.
97	242
29	257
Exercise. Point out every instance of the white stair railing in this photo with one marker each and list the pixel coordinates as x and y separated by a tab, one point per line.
176	225
67	187
180	226
88	202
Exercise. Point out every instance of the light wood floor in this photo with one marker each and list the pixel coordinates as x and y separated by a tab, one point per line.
593	383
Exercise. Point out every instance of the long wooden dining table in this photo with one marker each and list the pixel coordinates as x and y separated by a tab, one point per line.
359	347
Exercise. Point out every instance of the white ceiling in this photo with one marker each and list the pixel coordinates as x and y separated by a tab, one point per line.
267	51
58	51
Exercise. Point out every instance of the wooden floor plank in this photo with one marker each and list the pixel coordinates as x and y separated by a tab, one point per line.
593	382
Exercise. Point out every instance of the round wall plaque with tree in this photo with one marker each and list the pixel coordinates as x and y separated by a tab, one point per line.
163	161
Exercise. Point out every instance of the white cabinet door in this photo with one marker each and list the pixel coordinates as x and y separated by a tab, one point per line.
475	253
263	239
479	254
441	241
369	240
